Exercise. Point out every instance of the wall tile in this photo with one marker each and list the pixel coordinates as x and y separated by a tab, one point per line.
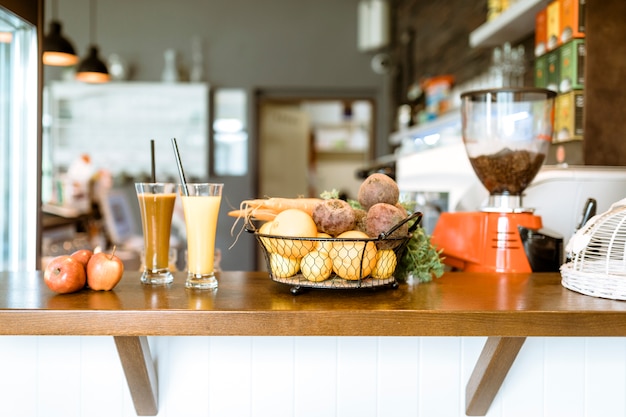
398	376
59	384
230	376
18	376
315	376
273	377
440	386
102	381
564	364
522	393
356	376
186	386
605	377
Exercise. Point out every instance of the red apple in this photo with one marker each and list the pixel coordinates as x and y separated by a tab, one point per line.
104	271
64	274
82	256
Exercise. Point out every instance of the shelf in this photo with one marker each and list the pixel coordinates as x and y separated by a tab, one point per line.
512	25
446	120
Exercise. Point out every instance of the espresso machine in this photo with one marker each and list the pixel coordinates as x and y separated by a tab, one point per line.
506	134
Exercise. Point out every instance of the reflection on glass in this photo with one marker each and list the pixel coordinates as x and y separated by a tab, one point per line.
230	132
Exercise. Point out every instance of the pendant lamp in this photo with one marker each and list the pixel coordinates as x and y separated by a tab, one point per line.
92	69
58	51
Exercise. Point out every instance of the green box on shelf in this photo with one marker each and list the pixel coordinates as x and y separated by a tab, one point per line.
572	65
554	74
541	71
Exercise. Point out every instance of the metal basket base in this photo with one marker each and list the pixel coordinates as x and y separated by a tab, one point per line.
299	283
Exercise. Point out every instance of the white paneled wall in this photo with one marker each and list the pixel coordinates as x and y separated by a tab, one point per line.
49	376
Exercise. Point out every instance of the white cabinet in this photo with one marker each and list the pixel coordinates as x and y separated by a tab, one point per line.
113	123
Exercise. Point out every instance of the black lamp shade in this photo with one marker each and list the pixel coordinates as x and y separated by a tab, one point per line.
92	69
58	50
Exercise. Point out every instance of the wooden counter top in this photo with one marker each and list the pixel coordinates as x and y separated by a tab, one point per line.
249	303
506	308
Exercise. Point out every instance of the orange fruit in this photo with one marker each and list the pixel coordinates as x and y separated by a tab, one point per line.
293	223
353	260
284	267
267	242
316	266
322	245
386	262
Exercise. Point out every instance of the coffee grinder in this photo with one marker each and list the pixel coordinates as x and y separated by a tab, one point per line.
507	134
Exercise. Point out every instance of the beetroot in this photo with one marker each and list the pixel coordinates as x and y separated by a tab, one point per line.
334	216
359	223
381	217
378	188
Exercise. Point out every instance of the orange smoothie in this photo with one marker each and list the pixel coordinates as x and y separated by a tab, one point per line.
156	222
201	224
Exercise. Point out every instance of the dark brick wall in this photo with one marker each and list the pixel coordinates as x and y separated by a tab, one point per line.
432	38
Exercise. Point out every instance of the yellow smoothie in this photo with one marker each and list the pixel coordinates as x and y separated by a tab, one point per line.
156	221
201	224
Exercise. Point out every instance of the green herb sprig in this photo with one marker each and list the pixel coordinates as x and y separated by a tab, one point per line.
420	259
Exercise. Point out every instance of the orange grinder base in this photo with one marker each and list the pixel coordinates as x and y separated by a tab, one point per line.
486	241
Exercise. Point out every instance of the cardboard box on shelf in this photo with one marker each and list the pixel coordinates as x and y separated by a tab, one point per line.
541	32
568	120
553	75
553	14
572	19
572	65
494	9
541	71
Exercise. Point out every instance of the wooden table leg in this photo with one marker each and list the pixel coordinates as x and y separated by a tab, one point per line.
134	353
494	363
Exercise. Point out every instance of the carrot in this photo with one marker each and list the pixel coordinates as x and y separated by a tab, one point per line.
278	204
266	209
257	214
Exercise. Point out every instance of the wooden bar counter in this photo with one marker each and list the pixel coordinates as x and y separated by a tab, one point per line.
506	308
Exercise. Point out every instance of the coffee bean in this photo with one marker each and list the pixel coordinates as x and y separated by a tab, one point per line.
507	171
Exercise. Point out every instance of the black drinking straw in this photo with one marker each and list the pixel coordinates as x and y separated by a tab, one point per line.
152	160
179	164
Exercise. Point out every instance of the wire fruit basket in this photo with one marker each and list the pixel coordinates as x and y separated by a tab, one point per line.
335	263
597	252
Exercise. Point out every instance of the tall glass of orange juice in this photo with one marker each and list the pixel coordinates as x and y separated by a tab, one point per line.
201	205
156	204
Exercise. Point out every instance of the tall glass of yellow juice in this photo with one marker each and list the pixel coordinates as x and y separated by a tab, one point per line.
201	205
156	205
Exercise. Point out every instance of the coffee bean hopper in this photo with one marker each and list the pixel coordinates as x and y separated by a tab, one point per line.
507	133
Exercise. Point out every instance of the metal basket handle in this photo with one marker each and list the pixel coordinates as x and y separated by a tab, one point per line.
417	215
251	228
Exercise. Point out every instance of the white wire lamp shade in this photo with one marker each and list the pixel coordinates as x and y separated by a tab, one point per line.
58	51
598	256
92	69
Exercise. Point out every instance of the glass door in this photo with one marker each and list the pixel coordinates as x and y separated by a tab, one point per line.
20	170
